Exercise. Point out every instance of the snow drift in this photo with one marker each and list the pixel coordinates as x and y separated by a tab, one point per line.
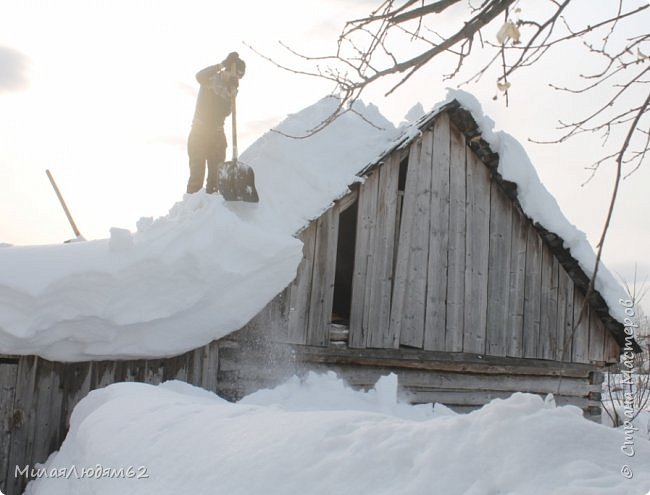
318	437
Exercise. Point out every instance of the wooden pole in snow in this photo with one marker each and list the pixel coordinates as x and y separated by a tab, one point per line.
65	207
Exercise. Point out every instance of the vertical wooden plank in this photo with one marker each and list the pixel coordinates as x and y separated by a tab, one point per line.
196	372
563	325
279	324
103	373
24	419
476	256
580	333
76	385
499	260
455	310
516	285
48	405
134	371
270	324
612	349
210	367
154	371
532	293
436	308
417	200
403	249
567	341
182	368
548	305
322	288
596	339
362	284
120	371
381	281
301	288
8	375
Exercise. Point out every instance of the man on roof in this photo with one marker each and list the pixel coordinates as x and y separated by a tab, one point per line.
207	140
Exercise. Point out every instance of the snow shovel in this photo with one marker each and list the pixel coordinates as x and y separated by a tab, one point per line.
236	179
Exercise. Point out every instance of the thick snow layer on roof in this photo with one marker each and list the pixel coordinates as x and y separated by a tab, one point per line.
207	267
319	437
196	274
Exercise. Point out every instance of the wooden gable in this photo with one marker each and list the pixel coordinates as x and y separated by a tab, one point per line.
444	260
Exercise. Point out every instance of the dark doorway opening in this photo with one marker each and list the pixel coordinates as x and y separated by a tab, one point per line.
345	250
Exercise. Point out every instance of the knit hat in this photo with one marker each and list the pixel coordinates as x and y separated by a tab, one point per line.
233	57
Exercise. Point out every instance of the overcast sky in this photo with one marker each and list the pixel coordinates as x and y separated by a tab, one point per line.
102	93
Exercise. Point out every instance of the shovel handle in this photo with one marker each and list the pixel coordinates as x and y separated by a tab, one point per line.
63	205
233	110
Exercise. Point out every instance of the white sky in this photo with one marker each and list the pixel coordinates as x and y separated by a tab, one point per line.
102	93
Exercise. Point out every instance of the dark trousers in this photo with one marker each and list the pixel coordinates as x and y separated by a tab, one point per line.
205	146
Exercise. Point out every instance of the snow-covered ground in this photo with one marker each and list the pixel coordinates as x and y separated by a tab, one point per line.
319	437
202	271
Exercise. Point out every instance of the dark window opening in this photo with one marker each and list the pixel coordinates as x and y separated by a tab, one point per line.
403	168
401	187
342	301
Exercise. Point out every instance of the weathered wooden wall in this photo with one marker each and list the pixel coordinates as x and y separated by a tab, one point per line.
468	273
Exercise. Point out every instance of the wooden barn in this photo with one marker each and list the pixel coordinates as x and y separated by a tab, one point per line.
428	268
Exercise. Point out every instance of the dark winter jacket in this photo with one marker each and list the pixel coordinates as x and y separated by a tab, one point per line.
213	102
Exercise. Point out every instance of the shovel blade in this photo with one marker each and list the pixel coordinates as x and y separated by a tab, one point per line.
237	182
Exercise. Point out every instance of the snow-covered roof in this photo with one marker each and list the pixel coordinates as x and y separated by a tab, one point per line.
205	269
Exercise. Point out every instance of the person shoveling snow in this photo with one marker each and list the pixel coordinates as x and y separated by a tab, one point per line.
207	140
